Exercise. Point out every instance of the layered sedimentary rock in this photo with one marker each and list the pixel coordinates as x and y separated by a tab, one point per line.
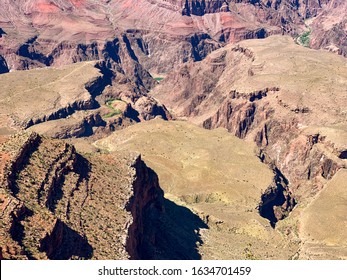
59	203
289	103
329	28
218	177
102	30
99	60
74	209
77	100
155	34
201	7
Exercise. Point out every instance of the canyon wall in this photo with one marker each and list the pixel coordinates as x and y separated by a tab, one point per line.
229	89
57	203
53	202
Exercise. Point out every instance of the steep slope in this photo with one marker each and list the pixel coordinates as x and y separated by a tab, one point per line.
49	197
3	65
286	98
155	34
57	203
73	101
329	28
217	176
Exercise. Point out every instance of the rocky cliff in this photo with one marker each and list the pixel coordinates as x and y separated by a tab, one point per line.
219	178
37	34
329	28
200	7
77	100
58	204
229	89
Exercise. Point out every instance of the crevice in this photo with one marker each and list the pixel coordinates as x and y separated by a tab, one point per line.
129	48
28	50
277	201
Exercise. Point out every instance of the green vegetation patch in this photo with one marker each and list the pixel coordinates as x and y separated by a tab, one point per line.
304	39
159	79
114	111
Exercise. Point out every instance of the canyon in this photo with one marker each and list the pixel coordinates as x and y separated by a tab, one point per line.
164	129
42	33
294	112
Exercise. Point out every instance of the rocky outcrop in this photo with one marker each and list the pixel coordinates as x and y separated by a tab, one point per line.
201	7
160	229
26	146
71	100
54	189
119	52
227	90
73	206
238	120
11	234
137	43
61	113
328	30
147	201
148	108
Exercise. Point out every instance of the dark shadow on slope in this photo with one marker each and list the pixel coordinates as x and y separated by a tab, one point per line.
21	161
273	197
161	230
131	113
111	50
129	48
3	64
343	155
2	32
17	229
176	234
65	243
28	50
277	200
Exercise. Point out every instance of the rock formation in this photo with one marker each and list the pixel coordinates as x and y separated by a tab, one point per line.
42	33
74	101
271	92
59	204
229	89
250	167
329	28
218	177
